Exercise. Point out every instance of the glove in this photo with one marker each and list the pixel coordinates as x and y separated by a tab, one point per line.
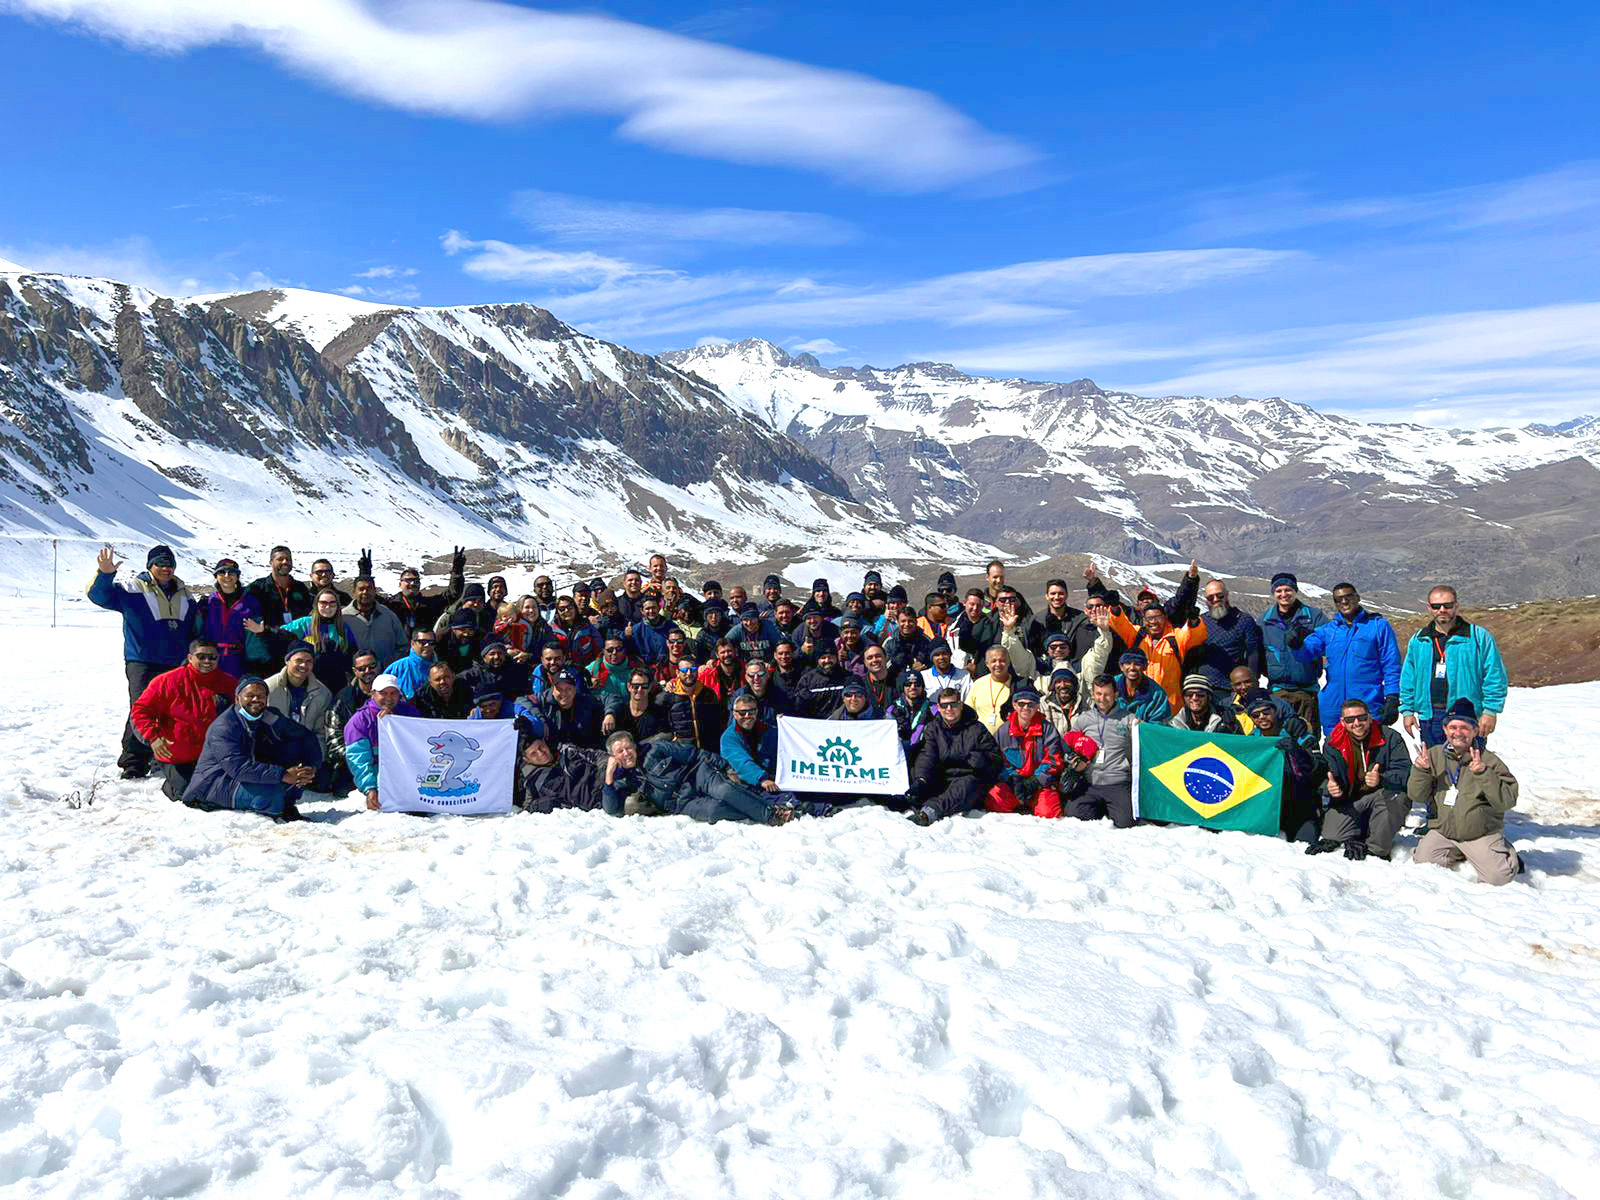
1297	637
1355	851
458	563
1391	710
364	562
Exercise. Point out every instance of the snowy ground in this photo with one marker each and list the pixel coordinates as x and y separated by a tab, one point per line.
578	1006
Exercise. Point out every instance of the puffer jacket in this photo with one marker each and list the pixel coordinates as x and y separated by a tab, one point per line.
155	622
180	705
1362	663
1113	733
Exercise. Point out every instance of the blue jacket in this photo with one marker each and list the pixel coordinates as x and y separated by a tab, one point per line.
1363	663
1472	668
155	623
411	672
648	643
1283	668
234	754
746	765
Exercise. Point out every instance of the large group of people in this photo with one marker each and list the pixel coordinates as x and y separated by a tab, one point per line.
651	697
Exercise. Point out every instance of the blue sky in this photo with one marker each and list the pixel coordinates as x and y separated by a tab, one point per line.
1374	209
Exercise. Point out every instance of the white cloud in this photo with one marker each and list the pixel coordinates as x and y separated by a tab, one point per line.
386	273
581	219
701	343
818	346
488	60
403	294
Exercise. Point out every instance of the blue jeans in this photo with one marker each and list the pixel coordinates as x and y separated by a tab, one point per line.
264	798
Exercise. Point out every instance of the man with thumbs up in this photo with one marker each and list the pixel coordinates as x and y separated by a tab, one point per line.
1471	790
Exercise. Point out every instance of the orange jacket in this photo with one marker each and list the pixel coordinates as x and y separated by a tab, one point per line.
1165	653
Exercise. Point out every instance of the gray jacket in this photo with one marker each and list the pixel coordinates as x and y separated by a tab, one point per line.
1113	732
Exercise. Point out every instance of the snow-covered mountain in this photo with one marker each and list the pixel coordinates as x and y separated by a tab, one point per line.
242	420
1255	483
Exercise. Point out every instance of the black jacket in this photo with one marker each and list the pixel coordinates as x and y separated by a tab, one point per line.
966	751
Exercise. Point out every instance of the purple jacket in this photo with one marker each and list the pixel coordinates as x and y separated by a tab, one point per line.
361	742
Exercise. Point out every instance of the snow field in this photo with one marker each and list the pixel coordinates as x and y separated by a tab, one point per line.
571	1005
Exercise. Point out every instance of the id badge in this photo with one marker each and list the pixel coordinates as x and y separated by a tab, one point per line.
1438	669
1449	797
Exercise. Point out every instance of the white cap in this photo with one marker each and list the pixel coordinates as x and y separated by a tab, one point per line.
385	681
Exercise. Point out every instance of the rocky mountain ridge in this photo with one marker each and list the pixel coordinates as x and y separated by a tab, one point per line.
301	417
1256	484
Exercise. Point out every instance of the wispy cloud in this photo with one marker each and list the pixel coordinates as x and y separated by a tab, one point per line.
1277	207
623	299
403	294
386	272
135	260
570	218
487	60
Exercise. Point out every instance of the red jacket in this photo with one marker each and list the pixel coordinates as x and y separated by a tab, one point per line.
180	705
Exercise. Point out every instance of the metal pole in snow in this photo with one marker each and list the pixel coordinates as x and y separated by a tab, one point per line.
55	565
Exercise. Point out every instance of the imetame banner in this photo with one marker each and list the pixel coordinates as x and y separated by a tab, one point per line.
461	767
855	757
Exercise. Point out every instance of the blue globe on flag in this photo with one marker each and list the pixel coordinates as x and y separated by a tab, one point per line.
1208	780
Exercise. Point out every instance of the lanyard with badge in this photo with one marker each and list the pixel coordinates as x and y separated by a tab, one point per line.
1449	797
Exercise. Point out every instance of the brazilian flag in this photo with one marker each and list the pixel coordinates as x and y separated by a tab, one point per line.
1219	780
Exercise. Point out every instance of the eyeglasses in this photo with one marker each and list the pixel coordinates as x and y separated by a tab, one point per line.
325	603
1361	720
1023	704
1441	607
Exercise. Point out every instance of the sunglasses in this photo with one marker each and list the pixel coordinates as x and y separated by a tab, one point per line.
325	603
234	571
949	704
637	687
422	641
205	658
1361	720
1441	607
1346	598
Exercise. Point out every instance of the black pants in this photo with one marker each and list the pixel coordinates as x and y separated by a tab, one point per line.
135	754
955	795
175	778
1114	800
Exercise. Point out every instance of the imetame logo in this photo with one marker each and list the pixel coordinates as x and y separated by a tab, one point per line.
837	758
1209	780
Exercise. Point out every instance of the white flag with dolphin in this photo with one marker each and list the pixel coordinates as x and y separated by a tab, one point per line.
461	767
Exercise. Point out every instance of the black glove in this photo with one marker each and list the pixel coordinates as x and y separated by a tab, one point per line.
364	562
458	563
1391	710
1323	846
1355	851
1297	637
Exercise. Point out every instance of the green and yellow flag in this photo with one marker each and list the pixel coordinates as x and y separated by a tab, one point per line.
1219	780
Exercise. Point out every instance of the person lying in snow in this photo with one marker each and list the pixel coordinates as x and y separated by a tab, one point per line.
676	778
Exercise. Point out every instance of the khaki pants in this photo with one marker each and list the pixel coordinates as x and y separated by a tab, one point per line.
1492	856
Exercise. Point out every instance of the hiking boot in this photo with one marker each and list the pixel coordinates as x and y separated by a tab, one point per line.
1355	851
921	816
136	772
782	814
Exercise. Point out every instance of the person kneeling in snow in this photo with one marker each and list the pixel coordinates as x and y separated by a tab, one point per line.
254	758
1030	760
676	778
1471	790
